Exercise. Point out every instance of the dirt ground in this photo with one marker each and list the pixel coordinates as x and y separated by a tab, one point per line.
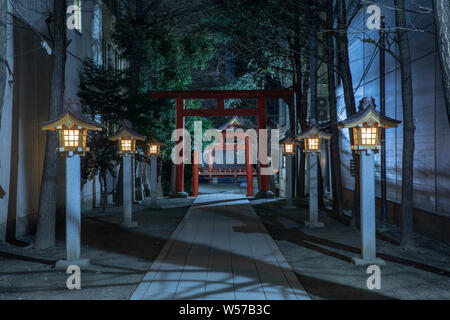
321	258
119	257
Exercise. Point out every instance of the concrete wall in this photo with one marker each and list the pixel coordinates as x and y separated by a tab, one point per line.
432	136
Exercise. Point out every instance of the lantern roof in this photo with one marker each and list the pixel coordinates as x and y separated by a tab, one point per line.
235	123
153	140
127	133
368	114
156	141
288	139
72	116
314	132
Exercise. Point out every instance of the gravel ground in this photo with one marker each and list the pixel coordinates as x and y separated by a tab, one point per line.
321	258
119	257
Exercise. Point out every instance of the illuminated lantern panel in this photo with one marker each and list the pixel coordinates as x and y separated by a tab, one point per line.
126	145
288	145
71	138
154	149
289	148
313	144
368	136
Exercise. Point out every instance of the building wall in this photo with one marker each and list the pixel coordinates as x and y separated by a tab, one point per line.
6	133
32	74
26	105
432	152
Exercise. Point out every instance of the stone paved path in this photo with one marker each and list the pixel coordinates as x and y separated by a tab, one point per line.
220	250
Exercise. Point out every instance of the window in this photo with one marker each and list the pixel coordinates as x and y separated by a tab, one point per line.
77	15
71	138
369	136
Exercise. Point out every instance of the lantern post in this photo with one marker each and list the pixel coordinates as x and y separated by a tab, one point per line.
72	129
366	125
154	151
288	145
312	138
127	138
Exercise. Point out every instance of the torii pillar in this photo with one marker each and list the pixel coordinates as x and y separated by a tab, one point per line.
179	168
263	186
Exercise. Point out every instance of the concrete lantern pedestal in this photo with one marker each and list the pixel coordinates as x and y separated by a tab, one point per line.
73	214
153	181
367	199
313	194
127	193
289	180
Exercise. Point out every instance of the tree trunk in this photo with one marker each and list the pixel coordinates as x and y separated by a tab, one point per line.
349	97
313	68
45	232
3	41
408	128
313	90
442	23
302	107
103	191
335	154
136	49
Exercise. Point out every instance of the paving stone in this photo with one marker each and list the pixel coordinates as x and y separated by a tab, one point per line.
220	250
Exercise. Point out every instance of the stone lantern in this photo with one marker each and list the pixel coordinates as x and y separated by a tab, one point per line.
154	147
312	138
366	125
72	127
288	146
127	138
154	151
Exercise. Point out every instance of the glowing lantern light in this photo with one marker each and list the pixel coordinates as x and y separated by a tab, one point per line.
72	127
312	139
127	139
366	125
288	145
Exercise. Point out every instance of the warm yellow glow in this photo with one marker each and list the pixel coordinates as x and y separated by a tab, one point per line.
71	138
368	136
153	149
126	145
289	148
313	143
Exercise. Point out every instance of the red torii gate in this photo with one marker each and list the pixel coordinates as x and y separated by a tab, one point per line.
220	96
223	147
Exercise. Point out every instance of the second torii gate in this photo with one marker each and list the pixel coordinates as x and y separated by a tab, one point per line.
220	96
224	146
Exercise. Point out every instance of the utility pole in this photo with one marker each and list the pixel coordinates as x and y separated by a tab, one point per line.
383	131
